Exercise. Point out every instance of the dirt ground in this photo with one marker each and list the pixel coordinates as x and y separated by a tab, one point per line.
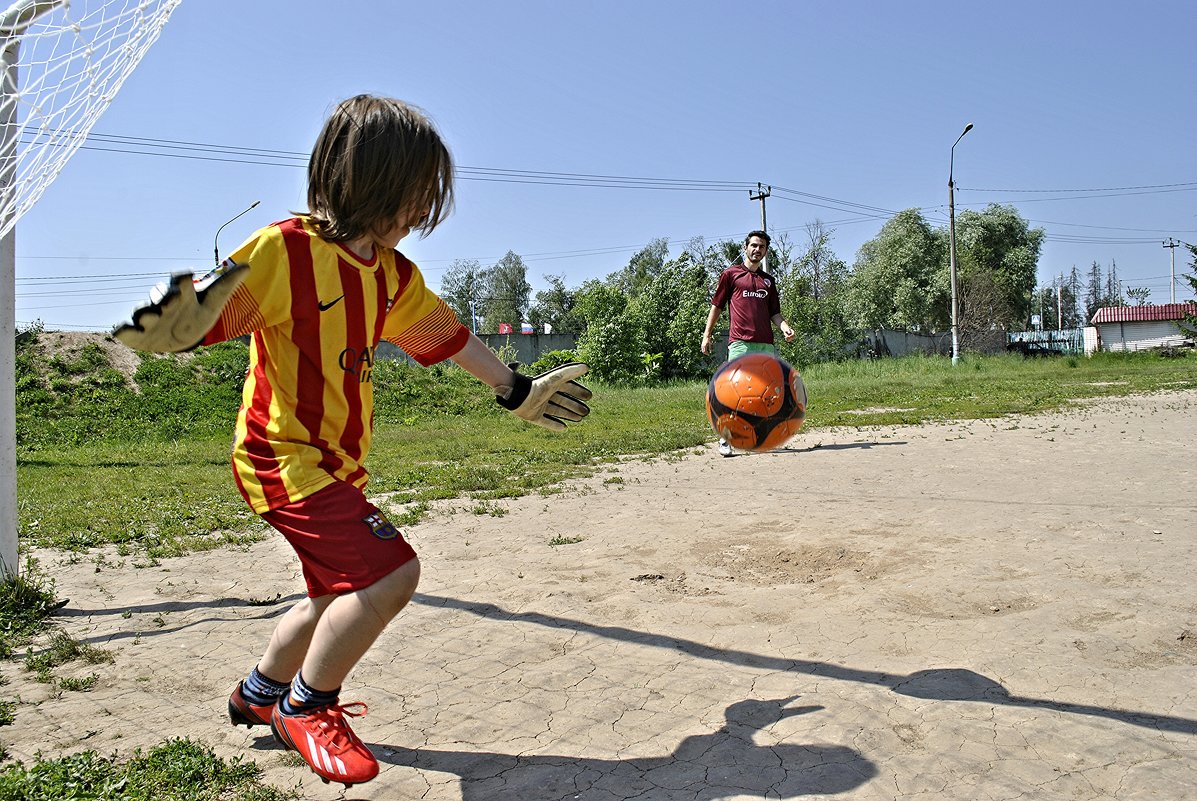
994	609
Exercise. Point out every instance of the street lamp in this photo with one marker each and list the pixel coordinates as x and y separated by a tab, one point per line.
952	243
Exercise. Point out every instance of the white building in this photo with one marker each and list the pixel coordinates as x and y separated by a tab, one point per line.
1137	327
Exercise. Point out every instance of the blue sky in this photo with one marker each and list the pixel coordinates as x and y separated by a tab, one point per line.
1085	108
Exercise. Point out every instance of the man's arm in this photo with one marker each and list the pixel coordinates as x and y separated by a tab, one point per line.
712	318
781	323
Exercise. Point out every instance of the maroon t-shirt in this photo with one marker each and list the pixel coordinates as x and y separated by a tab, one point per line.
752	301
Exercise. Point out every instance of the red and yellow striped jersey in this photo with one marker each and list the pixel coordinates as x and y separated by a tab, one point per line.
316	313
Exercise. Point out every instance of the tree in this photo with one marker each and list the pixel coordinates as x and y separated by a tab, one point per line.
998	243
983	311
1095	295
1057	304
556	306
1102	290
684	332
1113	287
729	252
642	269
507	292
610	343
1072	316
669	316
1139	294
461	288
814	299
895	282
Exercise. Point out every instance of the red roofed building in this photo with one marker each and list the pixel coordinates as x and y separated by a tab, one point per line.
1140	327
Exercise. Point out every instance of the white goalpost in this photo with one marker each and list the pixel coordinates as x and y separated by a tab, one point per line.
62	63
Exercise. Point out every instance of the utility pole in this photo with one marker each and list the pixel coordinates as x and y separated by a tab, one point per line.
952	244
1171	244
1060	305
762	192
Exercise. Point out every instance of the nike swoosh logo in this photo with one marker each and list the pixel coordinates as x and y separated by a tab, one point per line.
330	304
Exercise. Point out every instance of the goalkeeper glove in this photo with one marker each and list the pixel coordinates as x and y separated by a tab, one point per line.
180	313
550	399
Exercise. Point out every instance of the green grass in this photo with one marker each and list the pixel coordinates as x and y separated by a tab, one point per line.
166	489
914	390
177	770
26	602
161	498
61	650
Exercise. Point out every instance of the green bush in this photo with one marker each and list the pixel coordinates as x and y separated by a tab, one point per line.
404	393
550	359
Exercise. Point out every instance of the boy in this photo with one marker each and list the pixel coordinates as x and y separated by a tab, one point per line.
316	293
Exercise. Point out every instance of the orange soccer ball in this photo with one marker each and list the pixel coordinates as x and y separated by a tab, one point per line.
756	402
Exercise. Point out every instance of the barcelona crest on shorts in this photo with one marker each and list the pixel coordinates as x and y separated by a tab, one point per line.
383	529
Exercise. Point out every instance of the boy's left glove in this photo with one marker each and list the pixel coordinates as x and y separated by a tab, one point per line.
550	399
181	312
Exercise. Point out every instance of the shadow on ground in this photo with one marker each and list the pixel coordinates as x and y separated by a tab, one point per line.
706	767
939	684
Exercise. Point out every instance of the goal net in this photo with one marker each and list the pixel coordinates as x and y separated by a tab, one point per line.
61	64
64	62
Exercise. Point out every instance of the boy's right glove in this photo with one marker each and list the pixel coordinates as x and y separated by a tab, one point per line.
550	399
180	313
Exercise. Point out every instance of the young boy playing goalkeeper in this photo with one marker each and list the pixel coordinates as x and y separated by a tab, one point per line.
316	293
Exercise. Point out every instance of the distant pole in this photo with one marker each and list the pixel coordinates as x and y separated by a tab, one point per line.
761	193
1172	244
1060	307
952	244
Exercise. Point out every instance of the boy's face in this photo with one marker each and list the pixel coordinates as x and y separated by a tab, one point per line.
403	223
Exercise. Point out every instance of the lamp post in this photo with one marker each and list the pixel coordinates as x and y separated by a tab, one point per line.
952	243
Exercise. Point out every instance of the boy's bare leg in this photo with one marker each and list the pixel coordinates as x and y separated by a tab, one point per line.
351	623
292	636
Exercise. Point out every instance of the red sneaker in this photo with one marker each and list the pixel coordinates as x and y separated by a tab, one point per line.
323	738
242	712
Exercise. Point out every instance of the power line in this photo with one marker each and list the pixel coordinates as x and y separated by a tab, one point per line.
846	205
1192	184
272	157
203	151
1100	194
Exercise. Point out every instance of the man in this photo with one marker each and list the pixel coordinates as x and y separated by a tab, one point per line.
753	305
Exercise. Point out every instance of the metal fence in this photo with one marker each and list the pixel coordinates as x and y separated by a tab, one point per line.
1047	342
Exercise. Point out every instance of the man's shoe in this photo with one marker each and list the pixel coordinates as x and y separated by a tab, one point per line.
323	738
725	449
242	712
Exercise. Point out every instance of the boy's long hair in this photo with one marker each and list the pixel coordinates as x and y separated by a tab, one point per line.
375	157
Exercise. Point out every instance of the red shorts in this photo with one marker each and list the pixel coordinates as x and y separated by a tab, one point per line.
344	542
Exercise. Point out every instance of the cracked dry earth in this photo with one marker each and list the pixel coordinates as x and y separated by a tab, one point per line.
996	609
